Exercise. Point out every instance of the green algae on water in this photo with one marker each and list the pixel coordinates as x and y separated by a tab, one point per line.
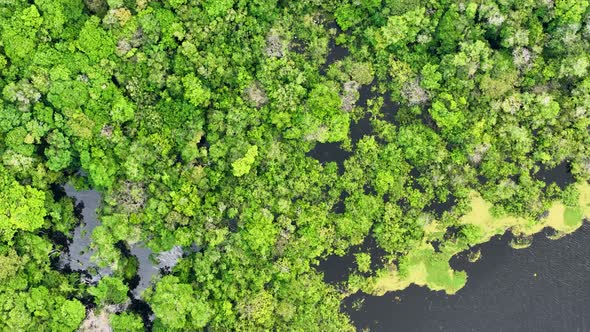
424	266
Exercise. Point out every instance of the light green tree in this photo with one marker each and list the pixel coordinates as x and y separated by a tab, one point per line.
242	166
21	207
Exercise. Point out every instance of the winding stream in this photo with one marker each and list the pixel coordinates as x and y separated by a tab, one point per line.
78	256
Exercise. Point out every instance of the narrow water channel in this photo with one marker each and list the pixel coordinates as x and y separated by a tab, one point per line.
78	256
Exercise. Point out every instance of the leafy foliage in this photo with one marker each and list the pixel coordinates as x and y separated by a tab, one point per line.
199	122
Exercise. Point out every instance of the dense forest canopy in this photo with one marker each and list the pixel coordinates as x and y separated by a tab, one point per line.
204	124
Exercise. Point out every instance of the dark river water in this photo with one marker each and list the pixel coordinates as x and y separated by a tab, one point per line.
545	287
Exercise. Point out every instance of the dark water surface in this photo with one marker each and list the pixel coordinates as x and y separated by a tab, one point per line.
79	253
560	175
151	265
336	269
545	287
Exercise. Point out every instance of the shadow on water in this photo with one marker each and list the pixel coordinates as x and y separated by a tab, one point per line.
77	256
361	128
560	175
330	152
146	269
340	207
144	310
336	269
389	110
151	264
336	53
541	288
438	208
333	152
365	94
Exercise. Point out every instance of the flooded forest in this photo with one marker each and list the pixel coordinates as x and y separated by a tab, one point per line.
270	165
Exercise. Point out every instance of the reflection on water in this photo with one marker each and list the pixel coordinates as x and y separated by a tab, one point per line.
78	256
560	175
150	265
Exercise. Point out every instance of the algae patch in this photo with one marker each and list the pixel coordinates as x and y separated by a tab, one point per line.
424	266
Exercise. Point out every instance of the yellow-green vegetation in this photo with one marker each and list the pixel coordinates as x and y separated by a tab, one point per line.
474	256
521	242
421	266
273	134
425	267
